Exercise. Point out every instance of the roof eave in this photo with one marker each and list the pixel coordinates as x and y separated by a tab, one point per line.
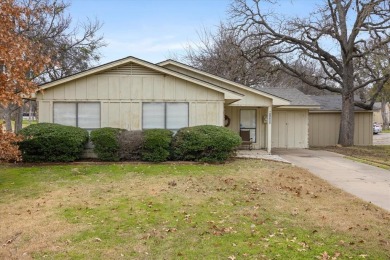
300	107
275	99
228	93
339	111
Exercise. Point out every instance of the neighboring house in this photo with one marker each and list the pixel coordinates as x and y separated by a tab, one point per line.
378	112
324	124
134	94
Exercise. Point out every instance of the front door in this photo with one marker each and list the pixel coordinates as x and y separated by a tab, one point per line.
248	123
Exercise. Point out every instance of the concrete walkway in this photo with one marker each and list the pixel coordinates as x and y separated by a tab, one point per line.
367	182
259	154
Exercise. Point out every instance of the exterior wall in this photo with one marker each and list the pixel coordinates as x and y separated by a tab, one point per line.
122	90
324	128
377	114
290	129
377	117
250	99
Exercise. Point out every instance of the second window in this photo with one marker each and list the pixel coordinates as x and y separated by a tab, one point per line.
172	116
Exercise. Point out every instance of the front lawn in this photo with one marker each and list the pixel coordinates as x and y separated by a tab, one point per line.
377	155
246	209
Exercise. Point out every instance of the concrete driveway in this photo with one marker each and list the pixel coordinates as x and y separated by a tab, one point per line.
367	182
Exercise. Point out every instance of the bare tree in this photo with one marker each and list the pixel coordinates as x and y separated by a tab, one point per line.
71	48
222	53
380	60
385	99
337	39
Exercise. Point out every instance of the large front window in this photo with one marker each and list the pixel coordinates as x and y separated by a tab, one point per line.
172	116
81	114
248	123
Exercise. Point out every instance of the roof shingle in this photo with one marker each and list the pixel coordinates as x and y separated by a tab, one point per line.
296	97
332	103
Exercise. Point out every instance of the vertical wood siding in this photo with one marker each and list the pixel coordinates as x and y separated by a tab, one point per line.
290	129
249	99
324	129
122	90
45	111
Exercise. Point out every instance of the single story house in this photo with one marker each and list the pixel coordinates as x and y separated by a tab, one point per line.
134	94
324	124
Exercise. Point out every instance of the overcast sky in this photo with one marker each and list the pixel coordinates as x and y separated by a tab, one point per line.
154	29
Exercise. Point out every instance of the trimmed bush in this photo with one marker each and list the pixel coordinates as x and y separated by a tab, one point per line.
46	142
205	143
106	143
156	147
130	145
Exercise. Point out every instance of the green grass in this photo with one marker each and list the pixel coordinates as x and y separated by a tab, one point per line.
245	209
25	123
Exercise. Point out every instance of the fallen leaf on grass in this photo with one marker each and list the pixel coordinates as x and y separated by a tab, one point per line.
325	256
168	230
9	241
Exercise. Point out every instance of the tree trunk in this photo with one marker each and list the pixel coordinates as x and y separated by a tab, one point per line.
19	119
7	118
347	122
385	114
30	109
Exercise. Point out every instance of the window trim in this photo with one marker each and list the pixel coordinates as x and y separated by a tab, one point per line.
77	111
165	114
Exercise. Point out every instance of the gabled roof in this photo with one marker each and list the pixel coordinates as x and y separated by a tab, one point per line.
281	100
229	94
296	97
333	103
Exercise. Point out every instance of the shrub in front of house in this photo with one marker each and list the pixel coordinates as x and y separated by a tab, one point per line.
130	145
206	143
47	142
106	143
156	145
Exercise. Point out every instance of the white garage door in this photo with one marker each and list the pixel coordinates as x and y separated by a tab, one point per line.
290	129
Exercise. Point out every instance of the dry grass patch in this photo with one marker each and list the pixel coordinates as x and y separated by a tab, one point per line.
243	209
378	155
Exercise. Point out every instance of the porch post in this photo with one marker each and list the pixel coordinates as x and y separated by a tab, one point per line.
269	129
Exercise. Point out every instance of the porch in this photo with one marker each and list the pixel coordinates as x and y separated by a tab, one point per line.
253	124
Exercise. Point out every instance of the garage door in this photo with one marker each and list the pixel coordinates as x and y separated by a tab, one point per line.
290	129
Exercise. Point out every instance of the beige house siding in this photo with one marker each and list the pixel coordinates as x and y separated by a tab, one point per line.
377	117
324	128
290	129
250	98
45	111
377	114
121	91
